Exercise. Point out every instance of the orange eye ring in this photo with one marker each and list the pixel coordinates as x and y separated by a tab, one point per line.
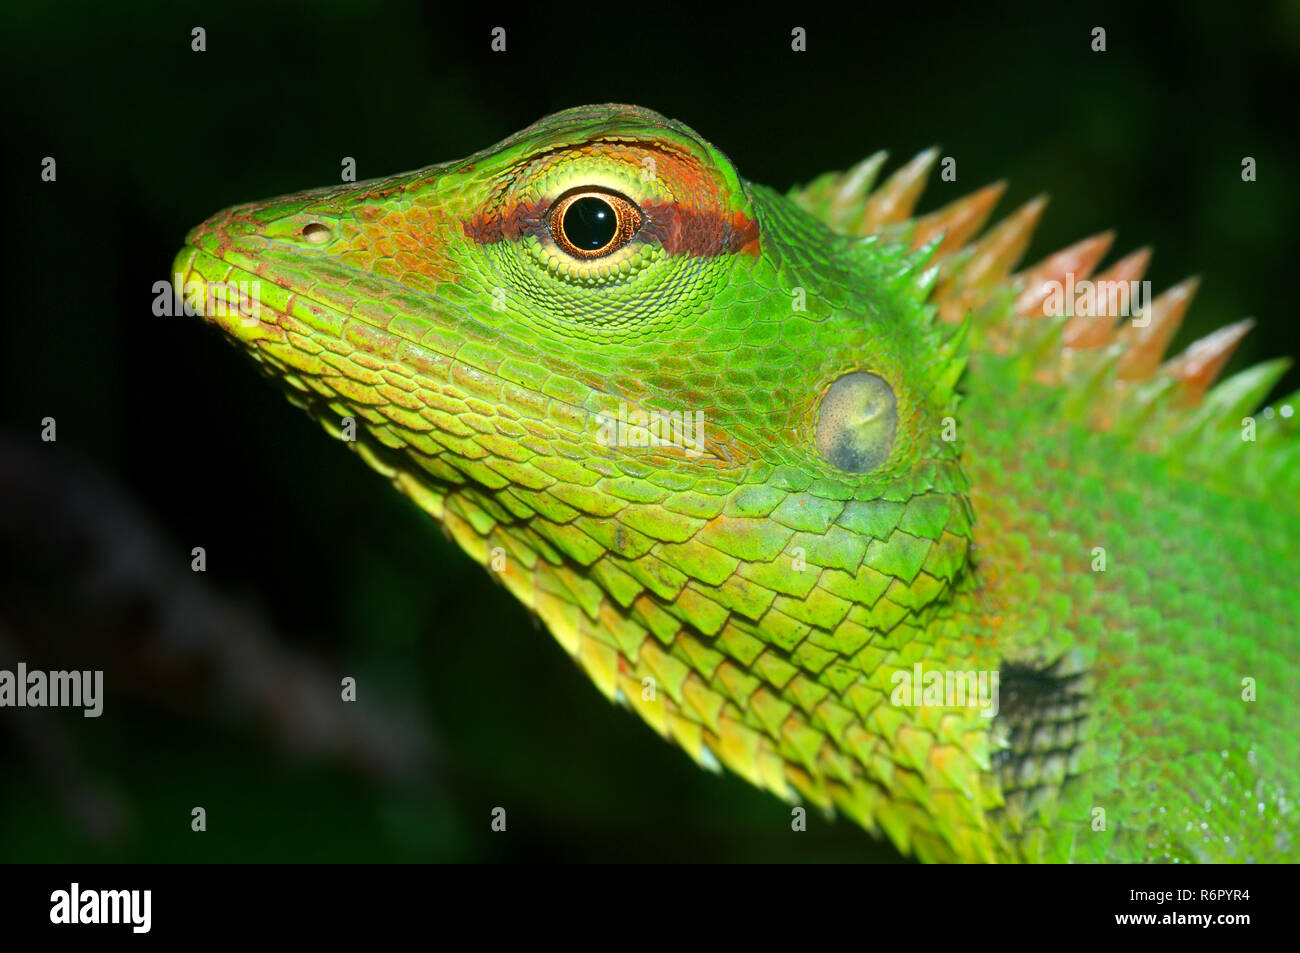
592	223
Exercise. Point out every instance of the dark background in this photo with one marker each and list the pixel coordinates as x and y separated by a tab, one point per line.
150	138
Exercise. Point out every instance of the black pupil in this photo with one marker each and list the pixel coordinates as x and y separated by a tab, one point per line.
590	223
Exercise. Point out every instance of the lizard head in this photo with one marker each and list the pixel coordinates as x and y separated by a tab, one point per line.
696	431
611	260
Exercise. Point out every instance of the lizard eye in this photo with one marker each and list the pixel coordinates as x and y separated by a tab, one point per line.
591	223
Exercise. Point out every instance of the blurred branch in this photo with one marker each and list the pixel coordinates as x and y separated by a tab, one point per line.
87	582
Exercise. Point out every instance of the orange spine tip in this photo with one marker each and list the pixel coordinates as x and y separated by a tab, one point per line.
1147	337
1001	249
896	198
959	221
1086	330
1200	365
1039	281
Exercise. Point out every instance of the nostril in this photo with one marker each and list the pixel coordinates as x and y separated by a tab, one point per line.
316	233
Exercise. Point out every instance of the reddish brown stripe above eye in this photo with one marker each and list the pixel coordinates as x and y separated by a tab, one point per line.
678	229
508	224
688	231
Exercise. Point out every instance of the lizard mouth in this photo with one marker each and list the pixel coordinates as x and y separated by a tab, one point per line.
412	393
336	349
251	310
238	272
258	273
229	297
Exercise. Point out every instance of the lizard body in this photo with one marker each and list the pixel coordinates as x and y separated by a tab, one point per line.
910	461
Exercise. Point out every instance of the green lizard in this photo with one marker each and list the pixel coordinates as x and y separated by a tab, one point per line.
803	480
